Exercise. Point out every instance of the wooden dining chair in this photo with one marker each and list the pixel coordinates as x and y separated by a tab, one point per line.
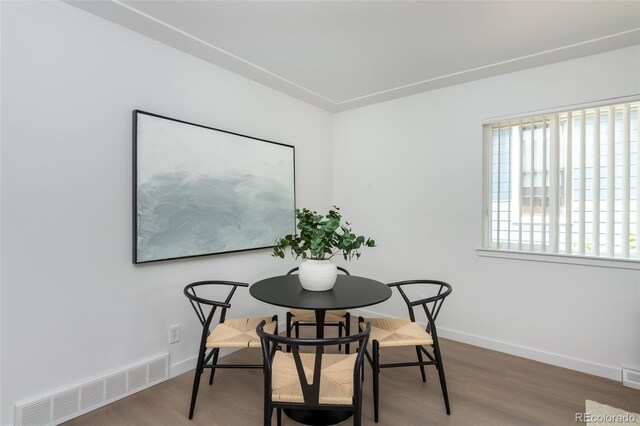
405	332
228	333
336	379
307	318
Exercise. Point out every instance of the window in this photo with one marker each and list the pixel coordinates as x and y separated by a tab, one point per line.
565	183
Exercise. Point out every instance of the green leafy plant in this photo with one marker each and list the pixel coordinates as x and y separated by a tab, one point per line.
322	237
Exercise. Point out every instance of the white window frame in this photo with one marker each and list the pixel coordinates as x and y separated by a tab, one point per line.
513	253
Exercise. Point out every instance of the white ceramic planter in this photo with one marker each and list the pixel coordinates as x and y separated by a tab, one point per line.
317	275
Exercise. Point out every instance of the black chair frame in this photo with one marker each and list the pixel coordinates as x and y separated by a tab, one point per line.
293	324
210	360
311	391
431	306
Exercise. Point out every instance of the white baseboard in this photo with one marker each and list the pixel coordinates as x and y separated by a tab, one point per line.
182	366
190	363
584	366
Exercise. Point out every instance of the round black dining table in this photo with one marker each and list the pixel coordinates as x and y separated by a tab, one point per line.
348	292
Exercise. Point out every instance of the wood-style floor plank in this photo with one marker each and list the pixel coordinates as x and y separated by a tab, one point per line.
485	388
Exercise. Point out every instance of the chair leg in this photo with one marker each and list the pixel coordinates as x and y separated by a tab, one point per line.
347	331
266	402
268	412
297	326
376	381
419	352
279	416
357	410
360	320
196	382
443	382
215	362
288	329
340	335
275	319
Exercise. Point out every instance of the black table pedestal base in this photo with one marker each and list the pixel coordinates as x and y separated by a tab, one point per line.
318	417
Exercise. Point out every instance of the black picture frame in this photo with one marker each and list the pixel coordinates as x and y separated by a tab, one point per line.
252	179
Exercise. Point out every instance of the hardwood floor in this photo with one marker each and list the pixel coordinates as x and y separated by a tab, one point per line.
485	388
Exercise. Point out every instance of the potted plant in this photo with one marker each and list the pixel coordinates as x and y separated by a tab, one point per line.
318	240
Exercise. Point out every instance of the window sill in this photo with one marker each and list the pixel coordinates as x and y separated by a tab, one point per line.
560	258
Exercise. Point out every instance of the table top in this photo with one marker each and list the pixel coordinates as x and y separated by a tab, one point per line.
348	292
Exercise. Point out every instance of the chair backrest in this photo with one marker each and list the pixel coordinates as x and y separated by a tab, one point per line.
431	305
311	391
206	308
340	268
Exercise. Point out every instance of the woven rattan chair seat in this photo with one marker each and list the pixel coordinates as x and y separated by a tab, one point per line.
393	332
305	315
238	333
336	378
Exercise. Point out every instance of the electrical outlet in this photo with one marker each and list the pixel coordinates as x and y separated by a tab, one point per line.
174	333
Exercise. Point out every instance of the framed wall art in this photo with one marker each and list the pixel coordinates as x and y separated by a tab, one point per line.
200	191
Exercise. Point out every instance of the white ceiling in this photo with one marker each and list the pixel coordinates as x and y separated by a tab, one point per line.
344	54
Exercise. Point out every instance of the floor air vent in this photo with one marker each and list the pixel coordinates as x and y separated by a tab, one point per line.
37	414
76	400
66	404
631	378
91	395
116	385
136	378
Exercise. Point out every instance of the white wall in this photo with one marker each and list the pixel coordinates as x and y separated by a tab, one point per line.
409	171
73	304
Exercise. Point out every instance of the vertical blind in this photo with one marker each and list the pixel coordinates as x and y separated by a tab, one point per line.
565	183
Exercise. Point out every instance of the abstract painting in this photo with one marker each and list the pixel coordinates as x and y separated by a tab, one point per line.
201	191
